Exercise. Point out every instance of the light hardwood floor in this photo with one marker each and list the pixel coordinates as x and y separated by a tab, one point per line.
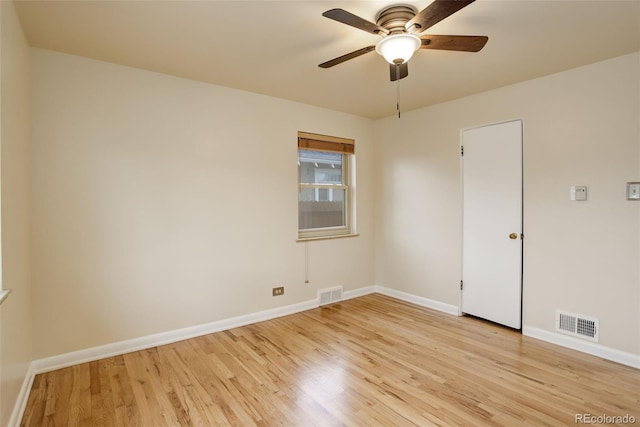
370	361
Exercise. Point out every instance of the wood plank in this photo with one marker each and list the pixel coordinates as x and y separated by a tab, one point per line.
372	360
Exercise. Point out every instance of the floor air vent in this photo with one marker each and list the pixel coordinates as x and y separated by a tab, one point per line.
327	296
577	325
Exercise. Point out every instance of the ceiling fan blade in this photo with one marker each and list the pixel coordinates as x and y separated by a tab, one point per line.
394	69
459	43
436	12
348	18
348	56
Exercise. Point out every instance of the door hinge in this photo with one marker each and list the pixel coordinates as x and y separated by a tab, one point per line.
461	285
462	150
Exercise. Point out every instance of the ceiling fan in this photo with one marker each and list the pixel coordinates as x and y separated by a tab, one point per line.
400	27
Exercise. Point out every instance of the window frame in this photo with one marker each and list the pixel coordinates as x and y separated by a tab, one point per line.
345	147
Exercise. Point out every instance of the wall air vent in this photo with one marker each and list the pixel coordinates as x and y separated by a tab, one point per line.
578	325
329	295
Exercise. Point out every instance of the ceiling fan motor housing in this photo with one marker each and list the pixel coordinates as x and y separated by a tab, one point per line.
394	18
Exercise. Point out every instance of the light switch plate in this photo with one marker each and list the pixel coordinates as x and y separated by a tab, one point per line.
578	193
633	190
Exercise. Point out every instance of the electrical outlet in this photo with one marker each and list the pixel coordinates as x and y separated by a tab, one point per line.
278	291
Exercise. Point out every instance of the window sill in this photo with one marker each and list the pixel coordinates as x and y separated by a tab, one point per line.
4	294
336	236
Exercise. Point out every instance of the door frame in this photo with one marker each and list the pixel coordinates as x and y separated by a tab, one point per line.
522	214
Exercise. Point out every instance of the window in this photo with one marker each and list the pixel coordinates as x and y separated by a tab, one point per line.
325	189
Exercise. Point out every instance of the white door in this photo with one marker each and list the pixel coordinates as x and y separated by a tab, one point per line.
492	223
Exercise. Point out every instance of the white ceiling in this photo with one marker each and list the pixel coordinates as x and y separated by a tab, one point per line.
274	47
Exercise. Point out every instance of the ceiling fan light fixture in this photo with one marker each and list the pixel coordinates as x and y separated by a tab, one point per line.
398	48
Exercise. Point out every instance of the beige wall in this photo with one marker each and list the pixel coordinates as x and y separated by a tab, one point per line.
581	127
157	207
15	312
161	203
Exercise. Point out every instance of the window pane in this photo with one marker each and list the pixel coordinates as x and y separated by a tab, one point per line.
318	167
321	207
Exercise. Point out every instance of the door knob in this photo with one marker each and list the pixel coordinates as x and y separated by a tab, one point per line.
513	236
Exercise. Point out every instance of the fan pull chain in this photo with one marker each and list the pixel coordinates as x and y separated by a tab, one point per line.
398	88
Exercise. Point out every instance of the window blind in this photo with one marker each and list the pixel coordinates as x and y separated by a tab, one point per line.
334	144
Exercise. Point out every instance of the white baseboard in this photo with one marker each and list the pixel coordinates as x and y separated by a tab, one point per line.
424	302
121	347
23	397
358	292
594	349
148	341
